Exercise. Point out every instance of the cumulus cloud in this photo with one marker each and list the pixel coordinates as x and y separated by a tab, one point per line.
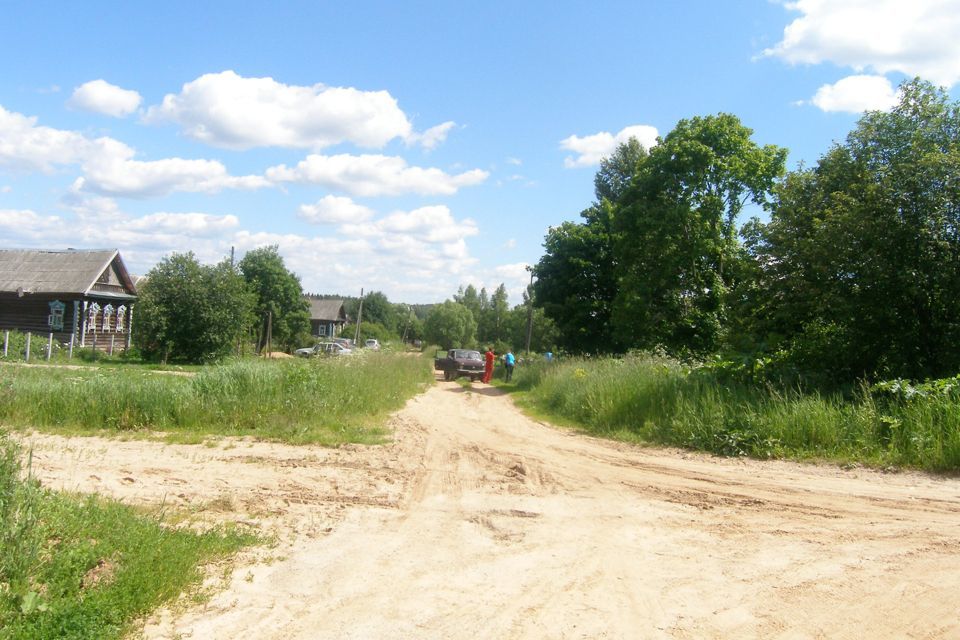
335	210
230	111
108	165
594	148
856	94
373	175
113	171
25	146
920	37
100	96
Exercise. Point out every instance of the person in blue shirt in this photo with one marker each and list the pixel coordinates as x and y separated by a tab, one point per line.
508	362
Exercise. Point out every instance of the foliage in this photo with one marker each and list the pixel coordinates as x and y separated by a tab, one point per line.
450	325
378	309
280	295
323	400
676	232
188	312
577	281
51	544
653	398
860	263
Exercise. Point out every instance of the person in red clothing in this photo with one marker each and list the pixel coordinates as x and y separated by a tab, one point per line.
489	357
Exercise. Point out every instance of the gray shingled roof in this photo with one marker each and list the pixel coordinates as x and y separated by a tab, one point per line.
326	309
69	271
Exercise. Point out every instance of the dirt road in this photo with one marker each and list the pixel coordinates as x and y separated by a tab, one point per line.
477	522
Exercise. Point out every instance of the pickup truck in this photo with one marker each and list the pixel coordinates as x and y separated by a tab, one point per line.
459	362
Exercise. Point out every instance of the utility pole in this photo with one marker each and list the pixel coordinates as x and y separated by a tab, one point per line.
356	336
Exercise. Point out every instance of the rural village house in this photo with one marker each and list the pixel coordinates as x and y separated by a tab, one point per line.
86	295
327	317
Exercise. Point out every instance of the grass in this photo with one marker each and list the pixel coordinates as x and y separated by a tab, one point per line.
86	567
654	399
328	400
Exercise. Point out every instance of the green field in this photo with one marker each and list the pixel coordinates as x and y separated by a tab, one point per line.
327	401
653	399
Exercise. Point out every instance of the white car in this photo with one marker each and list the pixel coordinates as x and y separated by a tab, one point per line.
372	344
323	349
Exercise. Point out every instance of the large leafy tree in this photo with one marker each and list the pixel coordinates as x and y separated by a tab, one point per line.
188	312
450	325
675	227
279	295
577	275
862	253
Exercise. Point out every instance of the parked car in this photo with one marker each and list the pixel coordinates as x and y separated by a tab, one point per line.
459	362
343	342
372	344
323	349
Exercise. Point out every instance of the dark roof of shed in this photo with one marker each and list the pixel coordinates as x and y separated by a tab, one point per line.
326	309
70	271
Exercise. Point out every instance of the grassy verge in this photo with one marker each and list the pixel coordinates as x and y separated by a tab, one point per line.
73	567
652	399
327	401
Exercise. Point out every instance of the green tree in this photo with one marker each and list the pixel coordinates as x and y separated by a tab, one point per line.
577	277
676	243
450	325
576	281
280	295
378	309
862	253
188	312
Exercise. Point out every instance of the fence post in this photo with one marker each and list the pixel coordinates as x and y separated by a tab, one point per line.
26	357
49	347
73	338
112	336
6	342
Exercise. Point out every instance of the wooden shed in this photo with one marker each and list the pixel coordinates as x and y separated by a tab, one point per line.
87	295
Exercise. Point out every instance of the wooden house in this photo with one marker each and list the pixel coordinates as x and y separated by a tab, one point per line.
327	317
84	295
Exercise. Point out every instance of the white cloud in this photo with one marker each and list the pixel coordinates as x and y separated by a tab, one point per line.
373	175
919	37
594	148
432	137
113	171
510	244
102	97
335	210
230	111
24	146
856	94
109	166
515	161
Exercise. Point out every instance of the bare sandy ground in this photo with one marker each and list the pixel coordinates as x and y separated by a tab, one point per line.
477	522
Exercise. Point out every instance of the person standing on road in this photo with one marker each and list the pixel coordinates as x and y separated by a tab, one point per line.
508	362
489	357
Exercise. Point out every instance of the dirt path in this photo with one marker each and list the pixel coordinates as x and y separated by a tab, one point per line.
479	523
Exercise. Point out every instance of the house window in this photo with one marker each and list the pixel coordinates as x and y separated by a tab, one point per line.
92	311
55	319
322	331
107	314
121	317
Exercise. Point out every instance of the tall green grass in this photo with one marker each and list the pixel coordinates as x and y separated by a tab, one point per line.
655	399
74	567
328	401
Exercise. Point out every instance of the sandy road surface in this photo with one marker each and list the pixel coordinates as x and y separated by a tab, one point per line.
479	523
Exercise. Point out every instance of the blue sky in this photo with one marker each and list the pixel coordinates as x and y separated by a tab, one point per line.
405	147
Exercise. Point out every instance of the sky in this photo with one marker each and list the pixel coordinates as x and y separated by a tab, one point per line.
405	147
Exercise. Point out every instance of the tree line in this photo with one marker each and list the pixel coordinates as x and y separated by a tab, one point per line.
854	274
